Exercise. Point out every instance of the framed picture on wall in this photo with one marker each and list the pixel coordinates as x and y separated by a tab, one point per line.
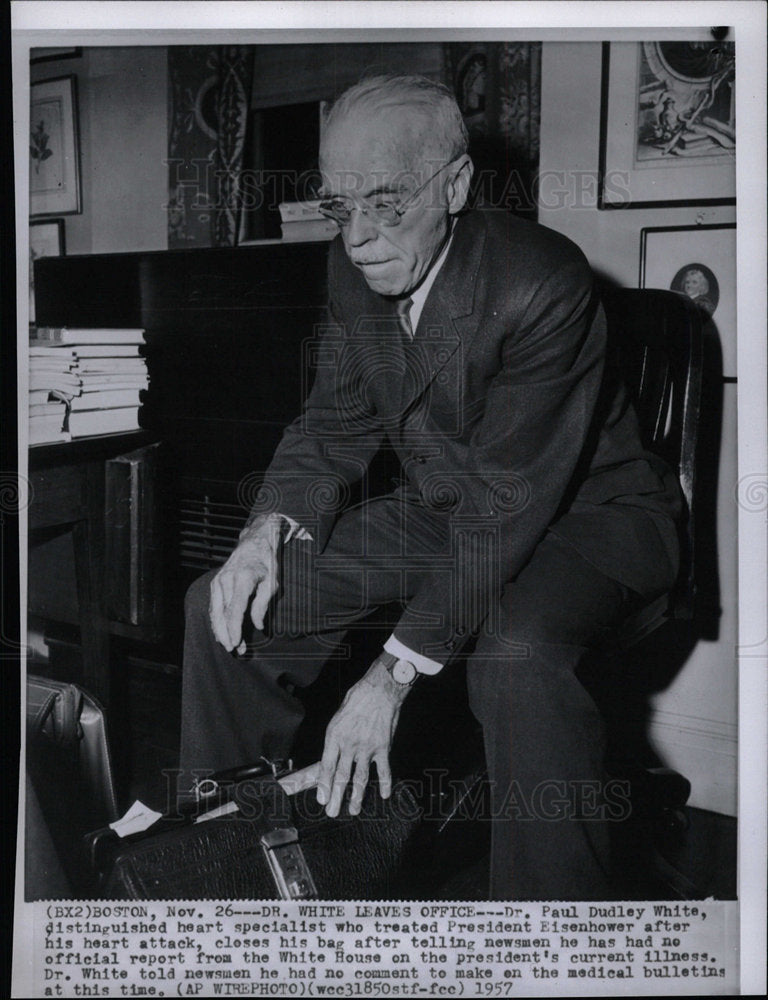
46	239
667	125
49	54
700	262
54	165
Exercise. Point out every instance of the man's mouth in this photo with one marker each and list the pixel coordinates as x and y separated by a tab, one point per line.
370	263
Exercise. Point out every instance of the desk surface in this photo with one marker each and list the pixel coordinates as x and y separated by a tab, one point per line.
93	447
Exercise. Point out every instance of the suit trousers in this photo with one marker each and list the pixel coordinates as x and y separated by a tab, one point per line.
543	734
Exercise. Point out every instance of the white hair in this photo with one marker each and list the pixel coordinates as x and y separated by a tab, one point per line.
432	101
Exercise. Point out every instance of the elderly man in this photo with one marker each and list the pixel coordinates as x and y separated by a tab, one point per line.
528	519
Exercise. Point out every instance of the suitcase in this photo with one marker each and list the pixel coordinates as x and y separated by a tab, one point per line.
248	839
70	771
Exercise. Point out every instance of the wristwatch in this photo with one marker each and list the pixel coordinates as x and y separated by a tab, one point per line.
402	672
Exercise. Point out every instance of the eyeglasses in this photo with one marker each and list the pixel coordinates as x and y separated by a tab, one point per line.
383	211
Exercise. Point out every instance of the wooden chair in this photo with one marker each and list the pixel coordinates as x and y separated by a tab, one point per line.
657	341
656	338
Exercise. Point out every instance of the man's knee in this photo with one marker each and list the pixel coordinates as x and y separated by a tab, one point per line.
198	596
526	664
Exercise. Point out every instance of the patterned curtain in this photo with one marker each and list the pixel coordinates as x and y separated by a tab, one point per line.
236	76
208	115
498	88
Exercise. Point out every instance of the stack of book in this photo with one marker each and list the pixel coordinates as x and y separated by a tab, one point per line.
109	376
302	222
53	383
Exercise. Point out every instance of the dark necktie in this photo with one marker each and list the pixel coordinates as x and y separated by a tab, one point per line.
403	308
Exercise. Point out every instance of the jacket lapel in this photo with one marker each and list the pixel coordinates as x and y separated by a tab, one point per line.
448	319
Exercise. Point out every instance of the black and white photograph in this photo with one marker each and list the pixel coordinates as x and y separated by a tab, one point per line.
668	106
698	261
392	514
54	180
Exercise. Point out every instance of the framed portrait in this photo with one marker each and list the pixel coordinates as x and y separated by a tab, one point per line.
54	163
667	124
700	262
51	53
46	239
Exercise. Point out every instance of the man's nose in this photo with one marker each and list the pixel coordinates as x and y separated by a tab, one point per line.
360	228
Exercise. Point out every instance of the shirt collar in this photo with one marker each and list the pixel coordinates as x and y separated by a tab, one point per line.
419	296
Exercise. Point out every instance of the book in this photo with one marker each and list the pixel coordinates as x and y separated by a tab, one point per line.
106	350
48	419
87	335
135	366
45	436
311	229
695	142
135	375
47	410
84	422
38	396
132	544
723	128
45	428
61	381
49	366
97	383
51	351
299	211
106	399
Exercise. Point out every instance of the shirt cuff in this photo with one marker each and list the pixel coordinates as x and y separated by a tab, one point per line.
422	663
295	530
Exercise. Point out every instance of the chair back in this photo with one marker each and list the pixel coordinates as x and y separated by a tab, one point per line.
656	339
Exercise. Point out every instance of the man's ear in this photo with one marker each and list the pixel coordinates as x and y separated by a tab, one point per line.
458	188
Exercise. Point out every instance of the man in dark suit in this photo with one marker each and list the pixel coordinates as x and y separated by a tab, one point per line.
527	521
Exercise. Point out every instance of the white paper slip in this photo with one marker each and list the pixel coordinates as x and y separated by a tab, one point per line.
138	818
224	810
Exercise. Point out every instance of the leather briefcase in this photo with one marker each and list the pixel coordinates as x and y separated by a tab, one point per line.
70	773
65	724
262	844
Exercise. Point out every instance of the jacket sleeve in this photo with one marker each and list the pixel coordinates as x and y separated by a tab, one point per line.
330	445
517	463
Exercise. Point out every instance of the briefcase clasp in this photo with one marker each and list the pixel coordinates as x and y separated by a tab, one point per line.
288	865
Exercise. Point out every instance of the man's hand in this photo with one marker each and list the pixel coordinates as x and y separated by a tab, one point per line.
251	569
359	733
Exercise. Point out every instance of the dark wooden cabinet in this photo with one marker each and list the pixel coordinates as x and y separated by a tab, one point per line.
226	336
78	556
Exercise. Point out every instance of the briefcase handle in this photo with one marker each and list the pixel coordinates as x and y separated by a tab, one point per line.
281	770
53	710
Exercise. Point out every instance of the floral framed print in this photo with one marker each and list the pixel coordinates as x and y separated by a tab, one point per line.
54	162
667	127
700	262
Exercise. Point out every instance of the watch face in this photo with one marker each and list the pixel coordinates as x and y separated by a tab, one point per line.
404	672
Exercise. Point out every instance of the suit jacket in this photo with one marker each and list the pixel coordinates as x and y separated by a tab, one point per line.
501	413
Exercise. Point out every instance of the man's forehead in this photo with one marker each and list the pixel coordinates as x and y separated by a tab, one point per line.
368	173
370	152
374	119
